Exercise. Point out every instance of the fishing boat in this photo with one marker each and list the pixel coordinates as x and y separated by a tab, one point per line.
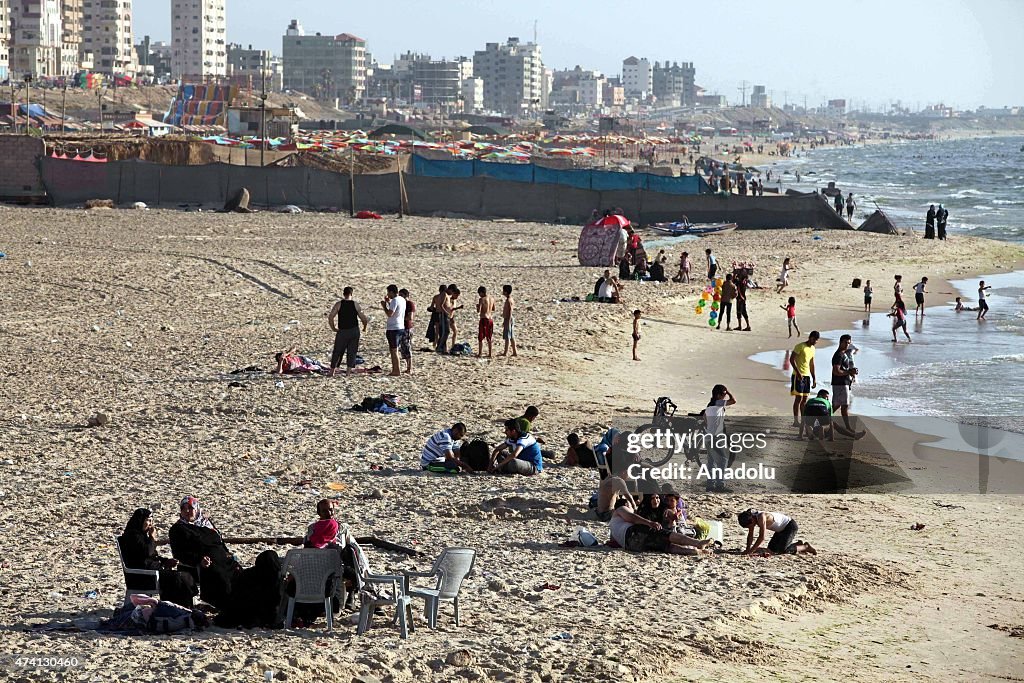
678	228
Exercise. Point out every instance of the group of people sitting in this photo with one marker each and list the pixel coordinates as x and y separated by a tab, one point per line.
202	565
657	522
519	453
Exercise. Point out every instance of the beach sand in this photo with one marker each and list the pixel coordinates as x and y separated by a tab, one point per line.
139	314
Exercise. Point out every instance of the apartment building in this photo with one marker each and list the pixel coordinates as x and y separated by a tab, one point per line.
198	40
637	77
35	39
69	56
255	64
760	98
107	35
673	83
327	67
515	81
5	24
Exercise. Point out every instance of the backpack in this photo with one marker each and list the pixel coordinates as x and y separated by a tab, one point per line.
167	617
476	454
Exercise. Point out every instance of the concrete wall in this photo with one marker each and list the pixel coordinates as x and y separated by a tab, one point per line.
72	182
19	170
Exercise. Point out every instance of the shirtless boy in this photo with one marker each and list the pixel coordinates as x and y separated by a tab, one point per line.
485	307
508	321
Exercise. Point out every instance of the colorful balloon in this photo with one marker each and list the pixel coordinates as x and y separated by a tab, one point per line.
698	309
718	282
711	323
714	306
705	296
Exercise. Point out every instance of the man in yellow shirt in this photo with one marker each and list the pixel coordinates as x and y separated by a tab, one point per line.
801	359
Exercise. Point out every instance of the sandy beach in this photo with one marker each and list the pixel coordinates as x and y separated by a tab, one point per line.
141	314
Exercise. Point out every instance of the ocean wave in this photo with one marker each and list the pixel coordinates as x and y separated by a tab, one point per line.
1011	202
964	194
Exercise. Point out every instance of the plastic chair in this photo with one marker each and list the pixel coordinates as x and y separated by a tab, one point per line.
312	568
149	577
370	602
451	567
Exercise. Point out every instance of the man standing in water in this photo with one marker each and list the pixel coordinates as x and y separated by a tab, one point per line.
919	292
804	378
850	206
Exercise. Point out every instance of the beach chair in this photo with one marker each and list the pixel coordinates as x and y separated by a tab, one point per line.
370	601
451	568
311	569
137	581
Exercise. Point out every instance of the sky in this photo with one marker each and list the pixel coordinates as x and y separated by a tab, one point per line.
963	53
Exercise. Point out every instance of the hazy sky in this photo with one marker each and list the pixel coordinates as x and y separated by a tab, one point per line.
960	52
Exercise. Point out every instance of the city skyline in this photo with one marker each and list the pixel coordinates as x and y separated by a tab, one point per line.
873	54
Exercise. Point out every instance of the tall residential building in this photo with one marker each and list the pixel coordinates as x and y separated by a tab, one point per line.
70	55
35	38
107	34
440	80
5	24
637	77
577	89
198	39
514	77
673	83
327	67
759	98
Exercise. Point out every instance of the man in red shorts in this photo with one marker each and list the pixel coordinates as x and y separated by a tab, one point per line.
485	307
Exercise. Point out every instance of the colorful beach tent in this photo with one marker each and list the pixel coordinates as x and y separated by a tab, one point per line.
601	241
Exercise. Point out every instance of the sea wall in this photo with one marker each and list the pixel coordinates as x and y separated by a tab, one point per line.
74	182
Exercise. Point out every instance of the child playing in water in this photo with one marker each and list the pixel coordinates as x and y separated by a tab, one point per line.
790	309
867	296
899	319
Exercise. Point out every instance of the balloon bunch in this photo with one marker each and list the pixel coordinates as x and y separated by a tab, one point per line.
710	298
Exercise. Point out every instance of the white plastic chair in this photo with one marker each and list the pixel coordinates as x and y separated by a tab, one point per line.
151	578
451	567
398	597
311	568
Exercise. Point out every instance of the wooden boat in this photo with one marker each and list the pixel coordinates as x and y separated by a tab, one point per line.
679	229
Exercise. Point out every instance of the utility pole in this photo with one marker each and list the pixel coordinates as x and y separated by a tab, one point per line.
28	103
263	108
99	107
743	90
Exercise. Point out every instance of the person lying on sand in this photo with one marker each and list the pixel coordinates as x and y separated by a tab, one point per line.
636	534
783	528
290	362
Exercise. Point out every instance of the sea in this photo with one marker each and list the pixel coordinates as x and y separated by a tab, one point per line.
956	367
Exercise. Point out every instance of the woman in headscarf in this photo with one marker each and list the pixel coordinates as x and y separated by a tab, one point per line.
138	549
255	595
195	542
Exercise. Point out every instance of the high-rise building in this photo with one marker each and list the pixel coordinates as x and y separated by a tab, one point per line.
35	38
637	77
514	77
198	39
440	80
760	98
673	83
70	51
107	35
5	24
327	67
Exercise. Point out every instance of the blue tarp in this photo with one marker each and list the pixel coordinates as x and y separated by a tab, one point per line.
585	179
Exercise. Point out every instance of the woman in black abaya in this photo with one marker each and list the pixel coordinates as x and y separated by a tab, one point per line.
138	548
195	542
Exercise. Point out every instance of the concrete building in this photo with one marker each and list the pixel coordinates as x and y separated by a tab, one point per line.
245	62
637	77
327	67
514	77
577	89
199	40
673	83
472	94
836	108
759	98
614	94
154	59
35	42
70	55
440	81
5	25
107	35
